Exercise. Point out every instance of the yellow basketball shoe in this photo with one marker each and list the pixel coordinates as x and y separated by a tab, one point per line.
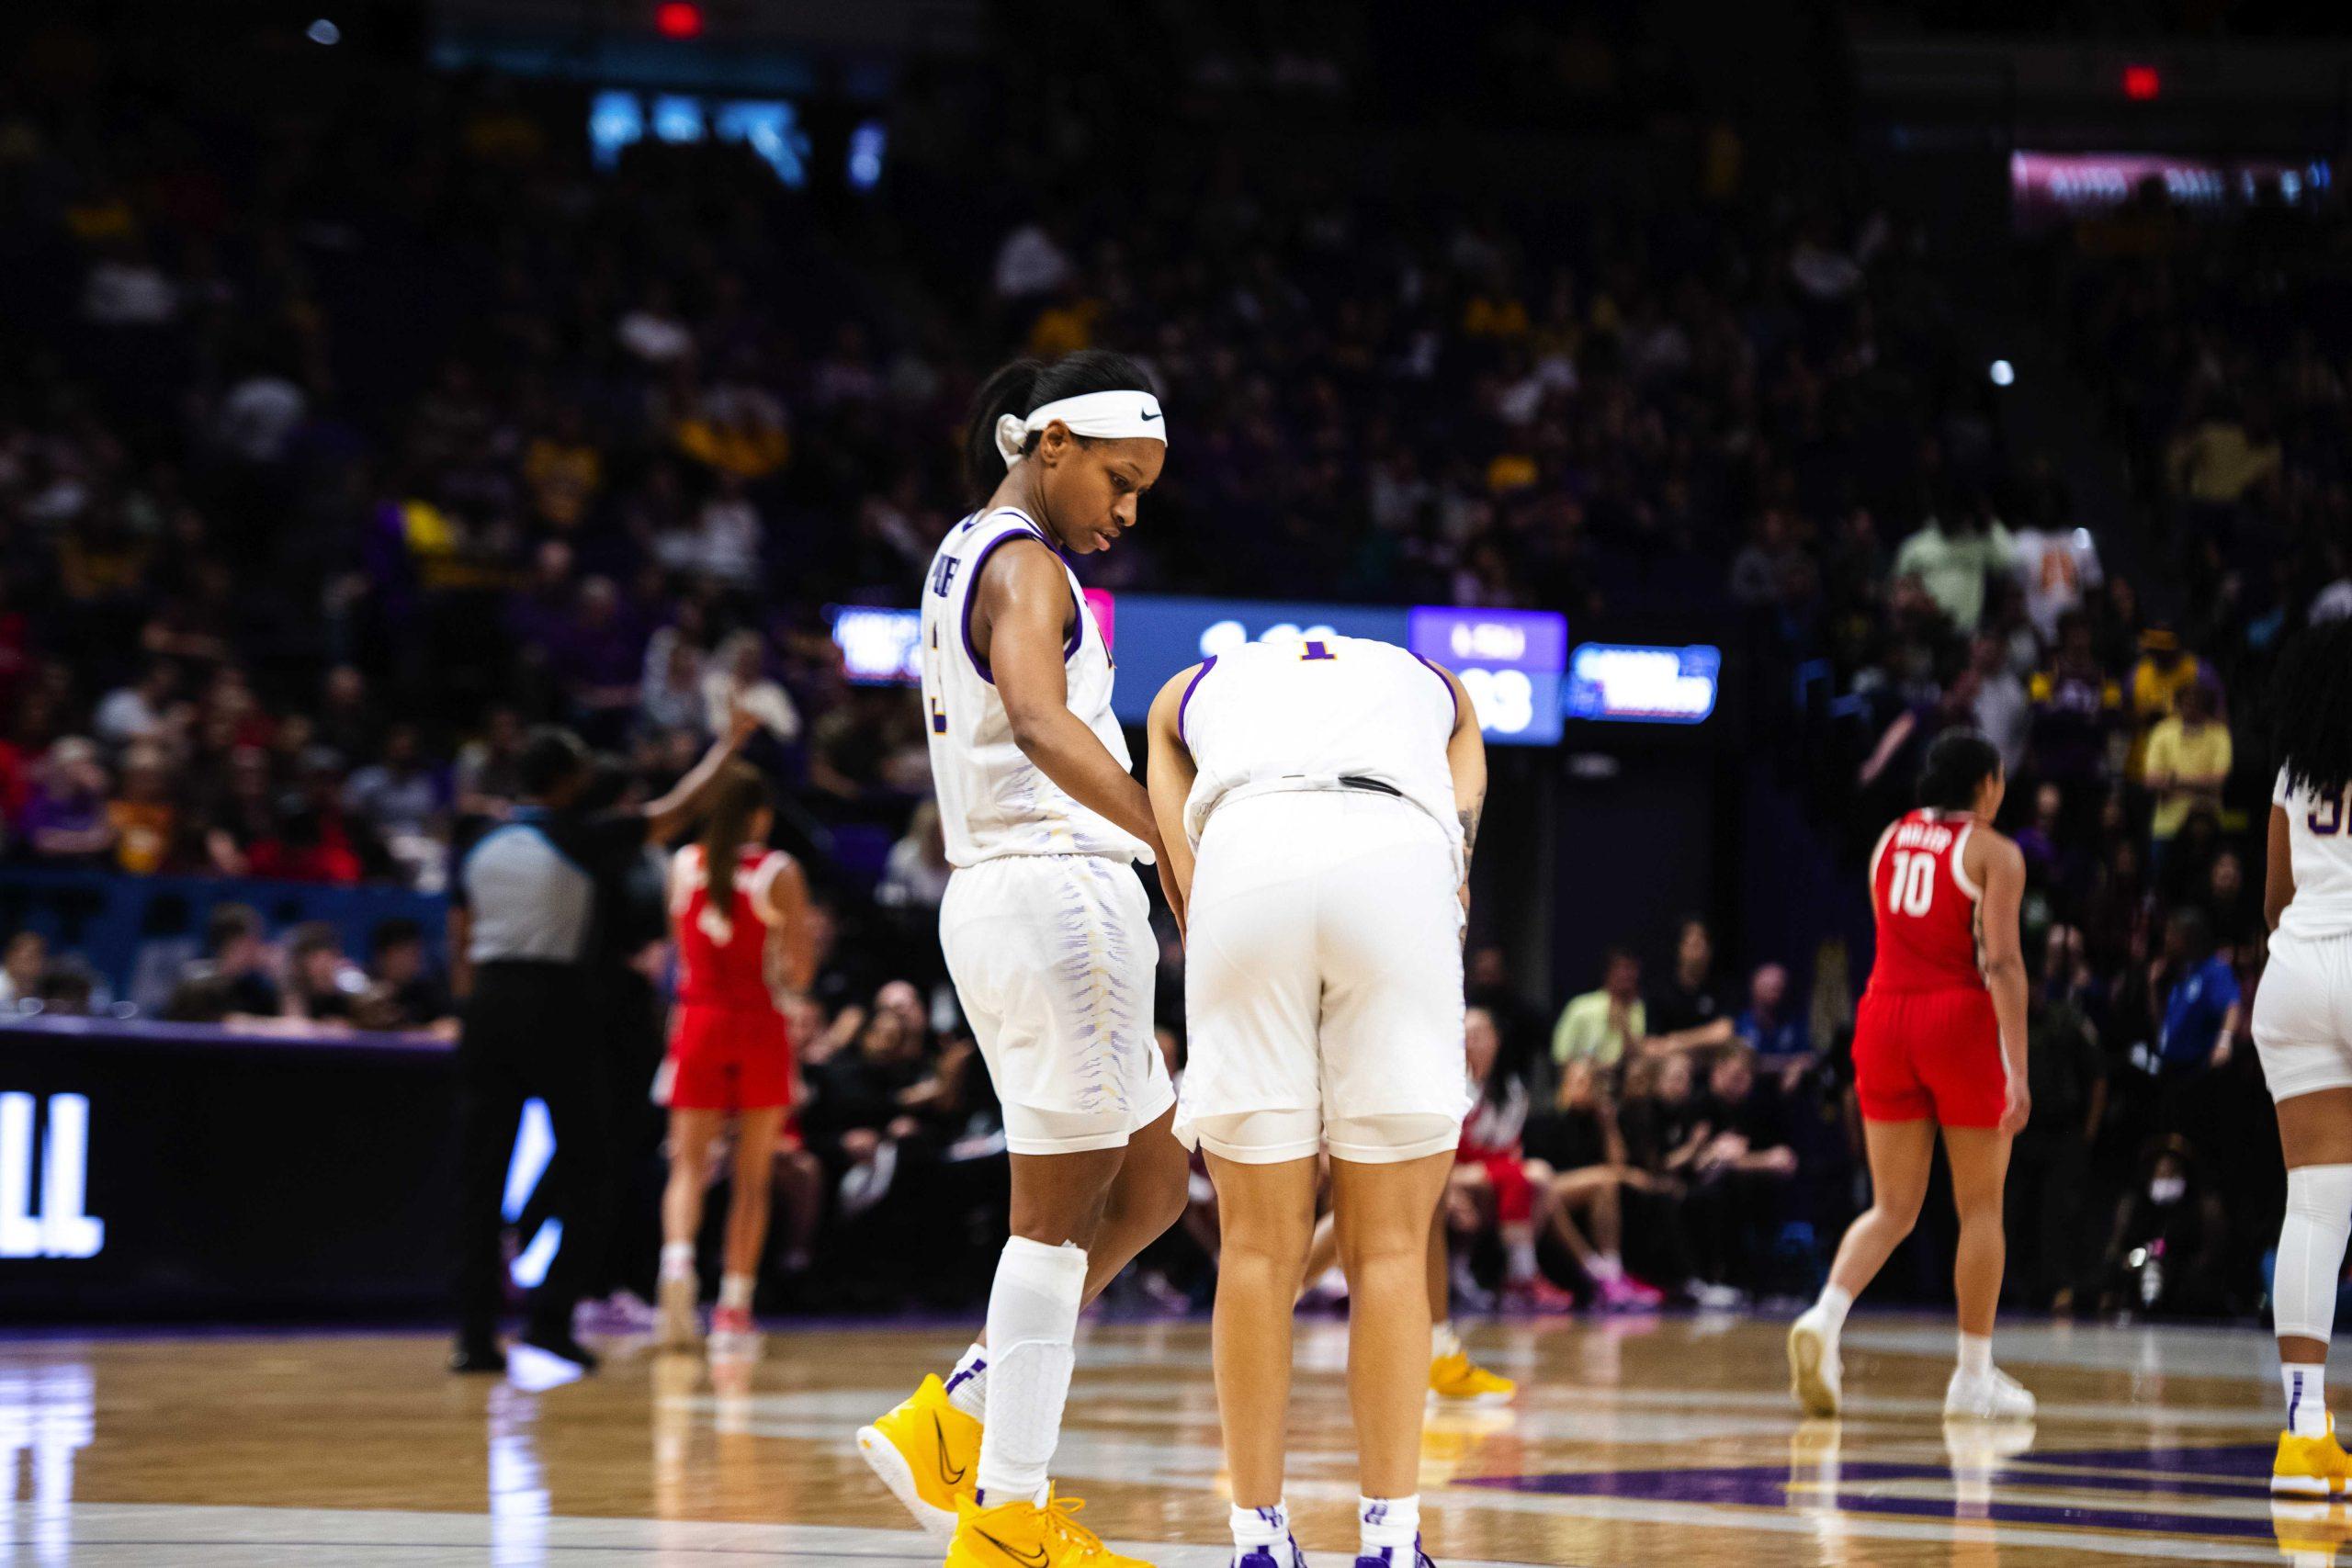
928	1453
1455	1379
2310	1467
1022	1535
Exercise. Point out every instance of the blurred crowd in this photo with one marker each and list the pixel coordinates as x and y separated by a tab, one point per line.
346	441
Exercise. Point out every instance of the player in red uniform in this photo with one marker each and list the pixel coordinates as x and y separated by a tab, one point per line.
1938	1046
740	914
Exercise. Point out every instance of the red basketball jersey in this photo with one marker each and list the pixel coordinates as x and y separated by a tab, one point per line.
1925	906
720	952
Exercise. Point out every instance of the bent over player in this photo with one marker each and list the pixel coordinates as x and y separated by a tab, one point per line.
1318	799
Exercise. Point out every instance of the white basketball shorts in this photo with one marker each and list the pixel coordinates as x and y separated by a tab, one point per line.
1323	982
2302	1015
1053	958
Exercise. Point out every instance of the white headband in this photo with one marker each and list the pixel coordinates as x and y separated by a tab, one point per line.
1108	415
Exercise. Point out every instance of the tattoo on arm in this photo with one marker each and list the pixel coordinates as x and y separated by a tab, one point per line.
1469	817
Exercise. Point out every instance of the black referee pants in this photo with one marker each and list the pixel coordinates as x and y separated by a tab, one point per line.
527	1033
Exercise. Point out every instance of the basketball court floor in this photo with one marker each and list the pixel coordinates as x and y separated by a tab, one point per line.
1633	1442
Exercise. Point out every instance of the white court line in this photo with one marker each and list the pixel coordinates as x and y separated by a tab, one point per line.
166	1535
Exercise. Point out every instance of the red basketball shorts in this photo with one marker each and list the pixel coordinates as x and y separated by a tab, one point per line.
1932	1055
1514	1194
727	1060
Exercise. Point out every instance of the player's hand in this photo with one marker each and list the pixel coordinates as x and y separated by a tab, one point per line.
1169	891
2019	1106
742	724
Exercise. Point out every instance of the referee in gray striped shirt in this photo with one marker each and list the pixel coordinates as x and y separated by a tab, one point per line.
522	919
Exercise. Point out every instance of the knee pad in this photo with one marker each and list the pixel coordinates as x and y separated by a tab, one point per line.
2311	1250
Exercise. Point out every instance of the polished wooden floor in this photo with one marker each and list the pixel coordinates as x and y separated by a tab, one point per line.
1649	1442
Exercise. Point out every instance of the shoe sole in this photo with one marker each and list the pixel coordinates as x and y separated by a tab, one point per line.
1807	1385
2301	1486
1462	1401
889	1466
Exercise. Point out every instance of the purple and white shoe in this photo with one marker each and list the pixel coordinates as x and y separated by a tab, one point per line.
1394	1557
1285	1556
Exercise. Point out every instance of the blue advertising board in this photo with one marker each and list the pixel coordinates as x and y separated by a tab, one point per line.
1633	685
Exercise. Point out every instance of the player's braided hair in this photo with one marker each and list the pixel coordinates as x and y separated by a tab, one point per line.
2311	708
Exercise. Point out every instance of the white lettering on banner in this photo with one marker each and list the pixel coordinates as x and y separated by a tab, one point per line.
60	1229
1490	642
1645	681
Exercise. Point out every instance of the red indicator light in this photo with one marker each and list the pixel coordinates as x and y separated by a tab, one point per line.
2141	82
678	19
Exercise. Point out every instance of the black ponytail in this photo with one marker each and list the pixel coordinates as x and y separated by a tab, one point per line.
1027	385
2311	709
1958	762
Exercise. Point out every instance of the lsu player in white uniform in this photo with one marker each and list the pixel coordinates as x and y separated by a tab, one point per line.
1318	800
1048	935
2302	1029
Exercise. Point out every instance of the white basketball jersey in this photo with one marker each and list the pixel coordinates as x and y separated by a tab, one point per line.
1306	714
2319	839
992	799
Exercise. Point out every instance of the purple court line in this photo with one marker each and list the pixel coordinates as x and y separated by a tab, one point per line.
2147	1521
1760	1488
2251	1459
1769	1486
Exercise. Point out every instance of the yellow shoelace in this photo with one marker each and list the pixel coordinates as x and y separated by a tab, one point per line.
1058	1512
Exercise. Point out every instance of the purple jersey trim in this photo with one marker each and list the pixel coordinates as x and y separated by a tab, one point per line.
1450	695
1078	607
1186	700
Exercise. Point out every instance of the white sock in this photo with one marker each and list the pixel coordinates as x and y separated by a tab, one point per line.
1260	1526
1389	1521
967	1385
1521	1267
735	1290
2305	1385
1976	1355
1605	1267
2311	1251
1033	1329
677	1260
1444	1341
1834	1305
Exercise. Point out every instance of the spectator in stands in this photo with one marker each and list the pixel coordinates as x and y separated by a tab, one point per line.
66	821
1607	1025
1494	1189
69	987
402	988
488	783
1771	1027
916	874
2077	709
135	712
21	969
1740	1175
2204	1013
2049	1163
2170	1235
1687	1014
2164	673
143	816
398	801
2187	761
322	987
1953	553
739	677
1578	1142
236	966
